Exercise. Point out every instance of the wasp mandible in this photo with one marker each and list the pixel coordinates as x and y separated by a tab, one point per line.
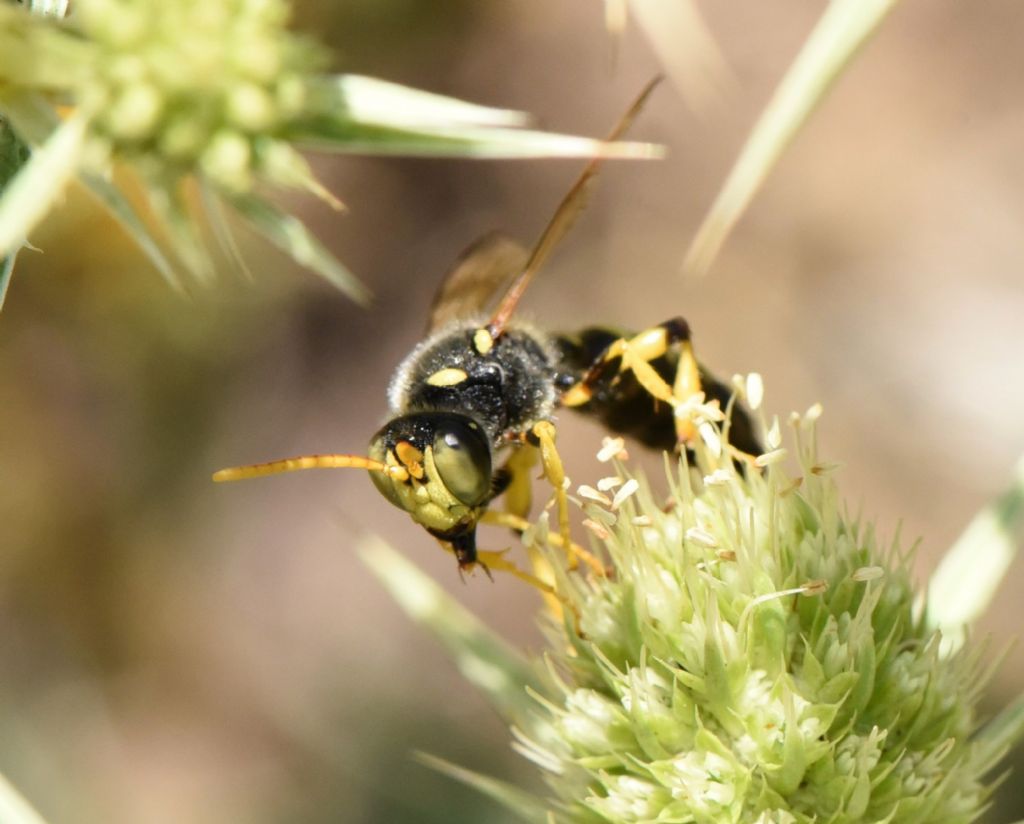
481	386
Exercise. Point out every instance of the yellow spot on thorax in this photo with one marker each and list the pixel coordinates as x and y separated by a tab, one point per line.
482	341
447	377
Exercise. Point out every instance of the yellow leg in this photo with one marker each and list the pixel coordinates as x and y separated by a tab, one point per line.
647	376
555	600
496	560
519	493
518	496
520	525
687	384
635	355
554	472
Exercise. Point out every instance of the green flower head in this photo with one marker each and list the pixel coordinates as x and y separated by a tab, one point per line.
754	656
208	103
196	84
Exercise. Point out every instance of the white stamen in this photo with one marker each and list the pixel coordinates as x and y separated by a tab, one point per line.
592	494
699	536
718	478
642	520
755	390
809	588
769	458
608	483
628	488
713	441
869	573
695	409
612	448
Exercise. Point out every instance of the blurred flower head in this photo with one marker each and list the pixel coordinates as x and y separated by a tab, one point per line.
208	85
207	102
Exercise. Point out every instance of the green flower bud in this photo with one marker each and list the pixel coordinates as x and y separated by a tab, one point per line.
226	160
290	95
135	113
250	107
184	137
257	59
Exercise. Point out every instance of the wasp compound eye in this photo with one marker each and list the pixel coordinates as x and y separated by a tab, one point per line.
384	484
463	460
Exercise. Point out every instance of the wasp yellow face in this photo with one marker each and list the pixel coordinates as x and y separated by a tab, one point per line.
446	483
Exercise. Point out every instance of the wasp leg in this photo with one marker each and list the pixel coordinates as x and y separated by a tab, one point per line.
519	491
544	434
496	560
520	525
635	355
554	472
489	560
555	600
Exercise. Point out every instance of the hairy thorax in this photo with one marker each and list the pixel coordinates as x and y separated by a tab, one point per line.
506	385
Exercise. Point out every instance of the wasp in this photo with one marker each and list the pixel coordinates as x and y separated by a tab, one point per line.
472	406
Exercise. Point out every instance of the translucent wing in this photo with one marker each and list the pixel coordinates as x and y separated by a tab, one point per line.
561	222
481	272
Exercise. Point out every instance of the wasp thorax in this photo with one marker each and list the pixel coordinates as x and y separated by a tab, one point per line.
448	460
504	387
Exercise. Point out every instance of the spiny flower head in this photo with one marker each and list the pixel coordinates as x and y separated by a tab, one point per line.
190	85
197	83
207	102
753	655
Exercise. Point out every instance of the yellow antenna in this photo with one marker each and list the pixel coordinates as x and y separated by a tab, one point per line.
237	473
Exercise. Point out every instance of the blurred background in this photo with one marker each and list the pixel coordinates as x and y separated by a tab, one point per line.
175	651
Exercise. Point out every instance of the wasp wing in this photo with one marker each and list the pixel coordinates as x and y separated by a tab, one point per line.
562	221
482	271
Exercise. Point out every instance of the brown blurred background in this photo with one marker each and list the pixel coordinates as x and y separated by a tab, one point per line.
175	651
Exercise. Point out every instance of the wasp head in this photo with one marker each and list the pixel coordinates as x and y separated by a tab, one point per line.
447	481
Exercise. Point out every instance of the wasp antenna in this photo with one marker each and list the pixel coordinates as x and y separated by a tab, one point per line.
237	473
563	219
